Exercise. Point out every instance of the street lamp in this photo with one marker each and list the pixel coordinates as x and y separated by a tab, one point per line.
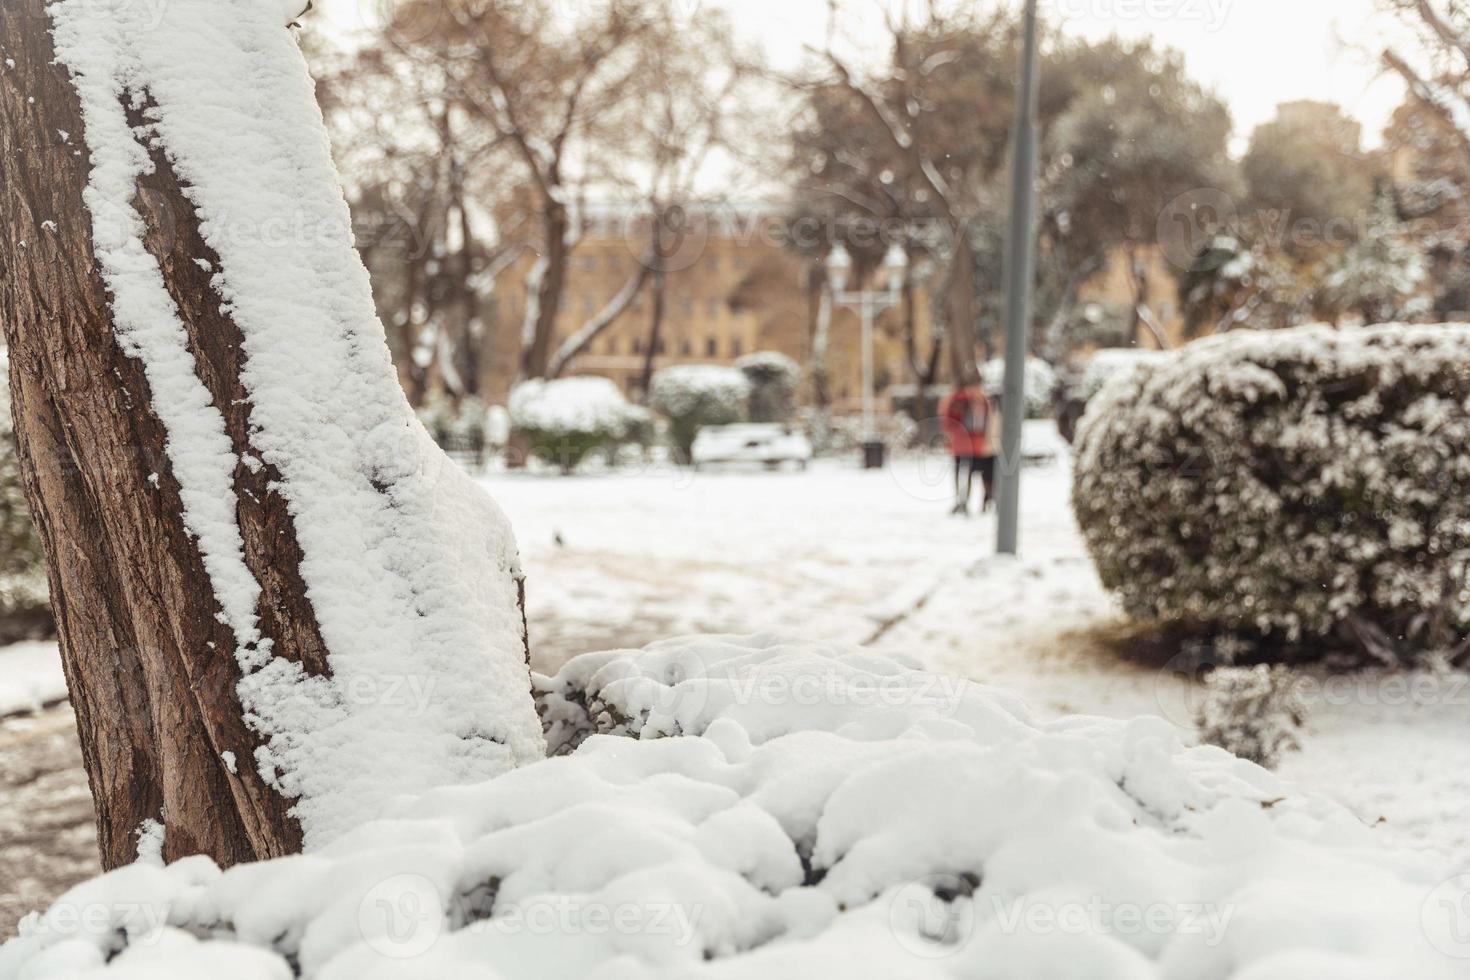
1020	261
869	304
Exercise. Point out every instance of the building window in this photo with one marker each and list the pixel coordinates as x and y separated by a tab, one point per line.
686	348
638	345
686	304
589	305
736	348
660	348
612	345
712	347
712	309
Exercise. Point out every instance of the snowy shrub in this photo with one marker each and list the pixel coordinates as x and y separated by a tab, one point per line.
740	807
1308	488
773	378
1107	363
1253	712
1041	384
568	418
695	395
24	594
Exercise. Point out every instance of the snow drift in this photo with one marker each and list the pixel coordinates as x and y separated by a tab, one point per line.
743	807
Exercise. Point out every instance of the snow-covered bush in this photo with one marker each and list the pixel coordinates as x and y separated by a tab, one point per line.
1041	385
733	807
692	396
24	595
1253	712
773	379
568	418
1110	361
1307	487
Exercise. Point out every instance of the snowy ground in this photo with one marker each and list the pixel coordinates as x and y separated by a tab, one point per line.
836	554
874	559
30	678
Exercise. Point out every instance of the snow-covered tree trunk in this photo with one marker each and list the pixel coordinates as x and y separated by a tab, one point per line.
279	604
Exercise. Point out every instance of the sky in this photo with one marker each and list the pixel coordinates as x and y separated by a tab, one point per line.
1254	53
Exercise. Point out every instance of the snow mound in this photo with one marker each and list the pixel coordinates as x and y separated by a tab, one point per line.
743	807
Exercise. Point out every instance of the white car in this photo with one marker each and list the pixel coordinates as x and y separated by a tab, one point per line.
769	444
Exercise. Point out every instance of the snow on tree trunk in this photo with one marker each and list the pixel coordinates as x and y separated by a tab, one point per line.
279	604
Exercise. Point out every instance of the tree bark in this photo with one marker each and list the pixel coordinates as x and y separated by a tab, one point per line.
145	657
151	658
655	333
961	309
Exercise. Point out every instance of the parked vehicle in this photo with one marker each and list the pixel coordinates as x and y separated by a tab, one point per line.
766	443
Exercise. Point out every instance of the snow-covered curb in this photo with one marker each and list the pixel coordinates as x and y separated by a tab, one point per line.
807	812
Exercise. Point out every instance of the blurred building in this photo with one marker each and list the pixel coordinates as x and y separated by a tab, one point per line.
733	285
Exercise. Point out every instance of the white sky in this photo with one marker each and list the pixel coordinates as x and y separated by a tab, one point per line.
1254	53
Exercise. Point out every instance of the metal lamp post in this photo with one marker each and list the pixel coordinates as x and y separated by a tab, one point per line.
869	304
1020	256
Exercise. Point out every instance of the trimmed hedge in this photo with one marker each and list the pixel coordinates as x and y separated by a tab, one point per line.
1307	489
567	419
692	396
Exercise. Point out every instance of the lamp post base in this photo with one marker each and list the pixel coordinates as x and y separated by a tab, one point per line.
875	454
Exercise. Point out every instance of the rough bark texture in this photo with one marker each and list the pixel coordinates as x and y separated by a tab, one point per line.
150	668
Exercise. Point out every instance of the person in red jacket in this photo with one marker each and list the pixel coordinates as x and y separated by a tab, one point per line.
967	419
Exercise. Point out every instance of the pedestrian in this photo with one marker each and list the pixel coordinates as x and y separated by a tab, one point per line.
969	420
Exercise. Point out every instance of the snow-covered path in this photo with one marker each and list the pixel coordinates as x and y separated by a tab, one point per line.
835	554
